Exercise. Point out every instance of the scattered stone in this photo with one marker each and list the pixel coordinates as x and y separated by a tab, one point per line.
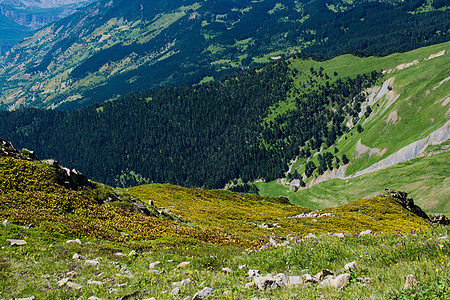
350	265
308	279
94	282
154	264
175	291
111	290
181	283
410	282
77	241
73	285
16	242
77	256
71	274
242	267
440	219
336	282
227	293
322	274
149	298
63	281
227	270
92	262
339	235
5	222
183	264
265	282
253	273
367	232
170	261
202	294
94	298
281	279
249	285
29	298
310	236
28	226
295	281
132	253
272	242
118	254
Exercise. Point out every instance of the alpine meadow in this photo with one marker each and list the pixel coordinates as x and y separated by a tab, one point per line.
224	149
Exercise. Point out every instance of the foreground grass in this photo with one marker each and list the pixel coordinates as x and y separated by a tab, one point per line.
386	259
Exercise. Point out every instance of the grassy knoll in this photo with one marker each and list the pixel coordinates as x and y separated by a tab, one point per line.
209	229
426	180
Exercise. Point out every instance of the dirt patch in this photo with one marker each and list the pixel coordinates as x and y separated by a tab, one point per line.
393	118
441	83
435	55
362	149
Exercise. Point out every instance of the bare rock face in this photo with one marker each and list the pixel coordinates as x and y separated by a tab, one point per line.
407	203
440	219
8	149
71	179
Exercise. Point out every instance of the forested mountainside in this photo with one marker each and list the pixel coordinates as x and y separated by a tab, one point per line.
246	126
195	136
20	18
115	47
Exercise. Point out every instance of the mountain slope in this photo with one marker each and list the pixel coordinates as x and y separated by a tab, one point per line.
62	242
116	47
409	117
20	18
258	122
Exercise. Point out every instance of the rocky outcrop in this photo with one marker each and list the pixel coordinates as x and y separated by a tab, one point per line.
8	149
407	203
71	179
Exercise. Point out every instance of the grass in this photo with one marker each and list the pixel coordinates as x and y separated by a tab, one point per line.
426	180
217	229
386	259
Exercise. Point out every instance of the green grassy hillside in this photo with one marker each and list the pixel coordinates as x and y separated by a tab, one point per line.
414	105
122	253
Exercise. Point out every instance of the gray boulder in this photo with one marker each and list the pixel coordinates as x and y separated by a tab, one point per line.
203	293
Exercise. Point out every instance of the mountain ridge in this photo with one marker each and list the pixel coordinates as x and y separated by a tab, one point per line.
181	43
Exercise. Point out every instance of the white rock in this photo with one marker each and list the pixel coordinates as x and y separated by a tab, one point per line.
242	267
339	235
94	298
89	262
77	256
410	282
154	264
29	298
16	242
336	282
227	270
366	232
308	278
295	280
132	253
310	236
253	273
73	285
63	281
5	222
227	292
350	265
265	282
175	291
272	242
77	241
94	282
281	279
202	294
181	283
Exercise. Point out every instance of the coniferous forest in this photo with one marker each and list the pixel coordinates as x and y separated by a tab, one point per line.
200	136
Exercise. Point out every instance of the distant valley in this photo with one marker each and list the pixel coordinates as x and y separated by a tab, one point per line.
113	48
19	18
